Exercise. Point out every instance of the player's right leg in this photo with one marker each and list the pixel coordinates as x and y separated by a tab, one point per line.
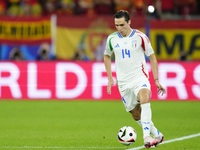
160	138
156	134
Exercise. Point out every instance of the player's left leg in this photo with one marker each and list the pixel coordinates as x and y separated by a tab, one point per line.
136	114
144	97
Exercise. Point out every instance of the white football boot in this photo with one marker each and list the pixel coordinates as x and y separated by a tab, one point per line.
160	138
150	142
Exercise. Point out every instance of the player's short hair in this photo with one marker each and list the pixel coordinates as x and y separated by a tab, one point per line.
123	13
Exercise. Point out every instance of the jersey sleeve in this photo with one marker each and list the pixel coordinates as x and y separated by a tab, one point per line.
109	48
146	44
148	47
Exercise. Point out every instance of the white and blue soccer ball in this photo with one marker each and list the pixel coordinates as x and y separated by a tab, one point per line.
127	135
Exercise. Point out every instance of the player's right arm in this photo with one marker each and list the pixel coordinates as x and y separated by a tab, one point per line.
107	62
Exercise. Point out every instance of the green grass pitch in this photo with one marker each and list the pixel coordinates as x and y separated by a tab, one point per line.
91	125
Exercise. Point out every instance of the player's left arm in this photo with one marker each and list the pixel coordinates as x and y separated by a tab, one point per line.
154	66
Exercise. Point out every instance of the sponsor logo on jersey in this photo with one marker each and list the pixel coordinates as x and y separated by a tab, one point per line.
116	45
134	43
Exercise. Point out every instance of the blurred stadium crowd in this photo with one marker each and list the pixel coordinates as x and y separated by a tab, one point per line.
160	9
156	9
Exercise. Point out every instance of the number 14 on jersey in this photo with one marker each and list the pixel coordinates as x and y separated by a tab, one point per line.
125	52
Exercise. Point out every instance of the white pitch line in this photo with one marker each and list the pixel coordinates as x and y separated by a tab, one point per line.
57	147
169	141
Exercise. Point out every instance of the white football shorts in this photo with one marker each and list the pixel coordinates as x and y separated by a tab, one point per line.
129	93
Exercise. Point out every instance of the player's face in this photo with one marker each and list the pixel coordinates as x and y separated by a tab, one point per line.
122	26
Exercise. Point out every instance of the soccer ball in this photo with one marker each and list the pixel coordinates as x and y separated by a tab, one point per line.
127	135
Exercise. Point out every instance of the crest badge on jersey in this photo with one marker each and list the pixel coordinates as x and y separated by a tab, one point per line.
134	43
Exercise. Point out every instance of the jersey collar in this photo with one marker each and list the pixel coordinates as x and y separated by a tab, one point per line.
119	35
131	35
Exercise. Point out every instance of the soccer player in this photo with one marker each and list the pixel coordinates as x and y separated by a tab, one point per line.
130	46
